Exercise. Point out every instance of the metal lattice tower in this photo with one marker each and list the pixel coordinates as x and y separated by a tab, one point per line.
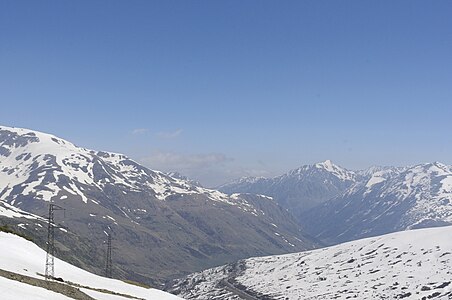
50	261
108	264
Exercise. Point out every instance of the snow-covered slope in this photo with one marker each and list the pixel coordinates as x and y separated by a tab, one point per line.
413	264
389	199
162	225
12	290
23	257
9	211
30	159
336	205
299	189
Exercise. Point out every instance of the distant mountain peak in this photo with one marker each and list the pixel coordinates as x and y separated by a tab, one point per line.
335	170
437	167
386	199
327	164
299	189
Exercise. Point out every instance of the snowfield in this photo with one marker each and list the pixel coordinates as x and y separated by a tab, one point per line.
414	264
13	290
30	159
24	257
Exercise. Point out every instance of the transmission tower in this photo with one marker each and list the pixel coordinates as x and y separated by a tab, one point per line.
50	261
108	264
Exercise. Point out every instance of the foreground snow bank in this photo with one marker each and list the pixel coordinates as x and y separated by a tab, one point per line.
13	290
24	257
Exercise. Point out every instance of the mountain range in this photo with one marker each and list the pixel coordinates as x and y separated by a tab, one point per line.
162	226
300	189
388	200
335	205
166	226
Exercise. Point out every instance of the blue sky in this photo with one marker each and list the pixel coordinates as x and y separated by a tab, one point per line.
223	89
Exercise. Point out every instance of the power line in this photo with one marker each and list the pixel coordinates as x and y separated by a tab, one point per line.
50	257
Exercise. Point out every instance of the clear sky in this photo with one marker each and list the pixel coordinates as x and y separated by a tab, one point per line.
223	89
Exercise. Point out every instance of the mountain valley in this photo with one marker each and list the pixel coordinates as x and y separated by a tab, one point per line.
162	227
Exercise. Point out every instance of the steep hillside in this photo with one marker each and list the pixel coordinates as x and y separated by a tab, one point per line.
161	226
300	189
24	261
412	264
336	205
391	199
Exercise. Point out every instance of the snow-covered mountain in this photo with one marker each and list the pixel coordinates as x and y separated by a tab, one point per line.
334	204
46	167
390	199
405	265
22	264
161	225
300	189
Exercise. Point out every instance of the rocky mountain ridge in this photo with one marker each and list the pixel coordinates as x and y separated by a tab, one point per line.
300	189
335	204
162	226
391	199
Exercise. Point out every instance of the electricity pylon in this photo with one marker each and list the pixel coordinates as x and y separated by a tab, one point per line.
50	261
